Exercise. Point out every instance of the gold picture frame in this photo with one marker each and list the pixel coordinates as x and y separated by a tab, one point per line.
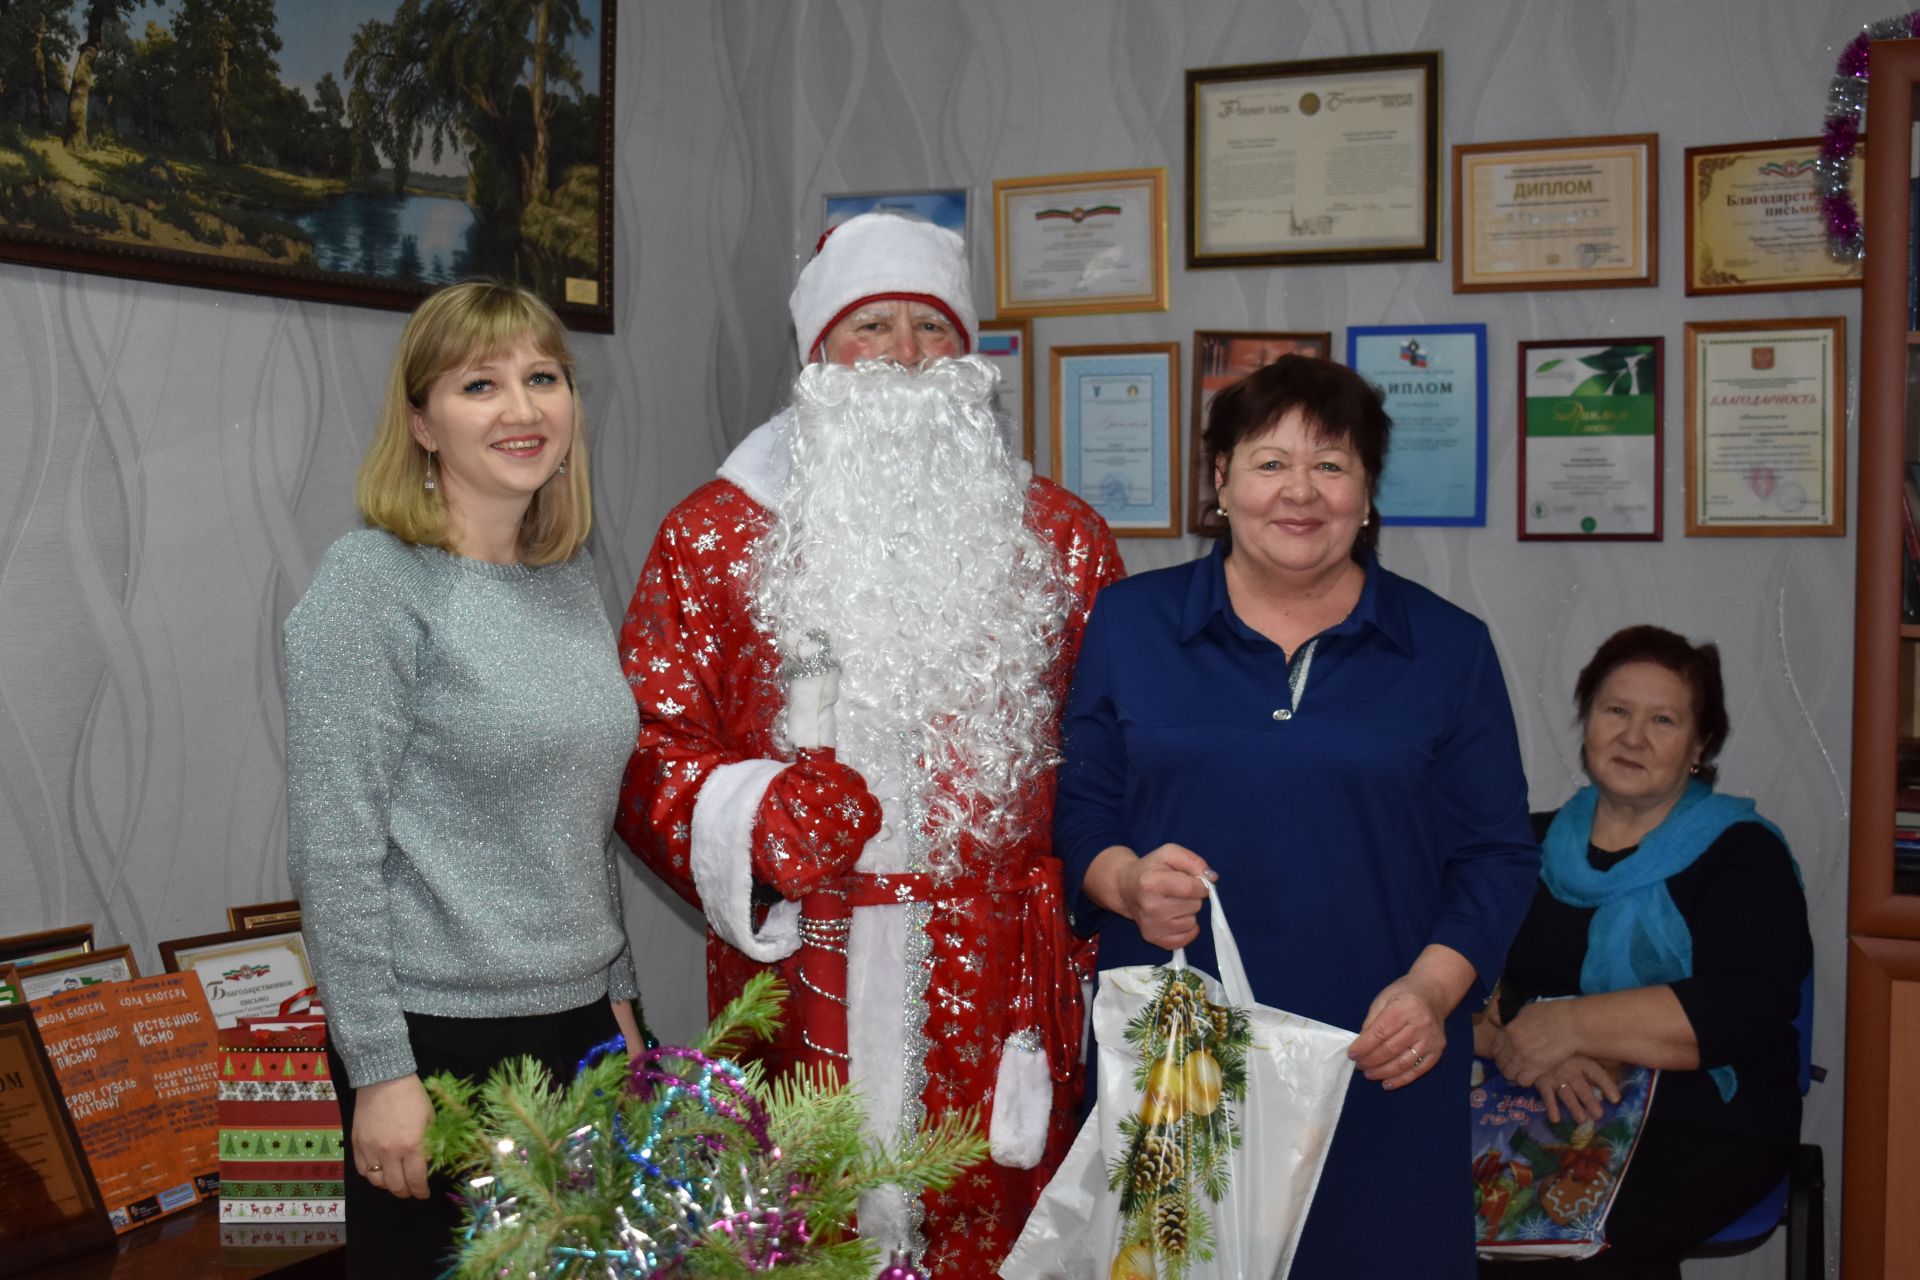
1757	224
1557	213
24	949
1080	243
263	915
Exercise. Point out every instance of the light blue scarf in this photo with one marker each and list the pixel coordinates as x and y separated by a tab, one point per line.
1638	938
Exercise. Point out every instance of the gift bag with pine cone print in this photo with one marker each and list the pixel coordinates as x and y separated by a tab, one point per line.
1214	1118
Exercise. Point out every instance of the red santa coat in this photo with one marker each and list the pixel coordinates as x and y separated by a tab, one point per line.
709	689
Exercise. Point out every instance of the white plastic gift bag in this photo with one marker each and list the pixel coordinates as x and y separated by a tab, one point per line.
1213	1122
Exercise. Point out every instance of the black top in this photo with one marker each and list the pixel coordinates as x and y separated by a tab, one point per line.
1751	950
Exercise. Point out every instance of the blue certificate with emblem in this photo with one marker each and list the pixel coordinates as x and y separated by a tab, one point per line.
1113	433
1435	380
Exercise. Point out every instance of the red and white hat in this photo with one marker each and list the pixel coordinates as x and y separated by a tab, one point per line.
882	256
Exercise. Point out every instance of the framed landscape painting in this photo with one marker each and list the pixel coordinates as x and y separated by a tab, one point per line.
356	151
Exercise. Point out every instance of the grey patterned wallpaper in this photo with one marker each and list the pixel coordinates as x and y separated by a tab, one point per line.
181	458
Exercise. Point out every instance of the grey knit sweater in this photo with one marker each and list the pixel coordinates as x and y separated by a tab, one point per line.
456	733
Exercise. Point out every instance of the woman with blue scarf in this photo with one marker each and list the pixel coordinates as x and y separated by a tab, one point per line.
1672	919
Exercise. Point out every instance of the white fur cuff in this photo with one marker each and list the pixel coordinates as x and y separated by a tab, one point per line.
722	849
1022	1104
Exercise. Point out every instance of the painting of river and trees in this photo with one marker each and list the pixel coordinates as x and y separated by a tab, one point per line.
360	151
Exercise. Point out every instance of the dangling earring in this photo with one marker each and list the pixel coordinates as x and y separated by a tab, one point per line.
1221	512
1366	520
1694	768
429	486
561	469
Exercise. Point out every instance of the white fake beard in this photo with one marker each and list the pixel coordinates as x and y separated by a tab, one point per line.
902	537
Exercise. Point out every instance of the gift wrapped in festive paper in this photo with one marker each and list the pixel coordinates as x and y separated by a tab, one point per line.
281	1149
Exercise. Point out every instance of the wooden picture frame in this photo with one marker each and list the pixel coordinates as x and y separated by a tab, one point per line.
247	972
1557	213
1592	439
397	178
1755	389
1757	224
67	1215
1221	357
1080	243
265	915
10	992
1008	346
1113	410
108	964
48	944
1263	138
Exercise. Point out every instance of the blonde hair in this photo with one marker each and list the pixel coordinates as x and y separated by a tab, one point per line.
463	323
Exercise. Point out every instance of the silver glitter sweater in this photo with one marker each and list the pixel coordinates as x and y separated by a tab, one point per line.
456	732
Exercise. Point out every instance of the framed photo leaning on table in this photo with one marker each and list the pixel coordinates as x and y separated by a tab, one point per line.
48	944
1221	357
84	969
1590	439
1556	213
1766	438
1757	224
1115	434
1319	161
1080	243
54	1204
262	915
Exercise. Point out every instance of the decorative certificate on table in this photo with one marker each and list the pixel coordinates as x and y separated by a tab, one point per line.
247	973
1325	160
1435	380
1765	447
1756	222
1567	213
1114	432
1590	439
1080	242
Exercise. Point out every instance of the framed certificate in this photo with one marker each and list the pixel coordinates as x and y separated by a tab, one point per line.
1563	213
83	969
1434	377
246	972
1007	345
1590	461
1114	433
1756	222
1319	161
48	944
1766	449
262	915
1080	243
944	207
53	1205
1221	357
10	992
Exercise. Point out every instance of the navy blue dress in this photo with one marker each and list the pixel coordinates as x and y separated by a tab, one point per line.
1387	811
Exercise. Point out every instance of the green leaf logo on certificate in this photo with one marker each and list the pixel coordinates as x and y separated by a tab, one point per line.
1590	439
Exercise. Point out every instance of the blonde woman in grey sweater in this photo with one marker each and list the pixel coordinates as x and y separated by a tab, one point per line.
457	726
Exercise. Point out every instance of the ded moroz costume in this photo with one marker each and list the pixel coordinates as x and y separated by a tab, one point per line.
849	653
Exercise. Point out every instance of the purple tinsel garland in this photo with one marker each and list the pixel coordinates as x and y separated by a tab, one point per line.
1846	99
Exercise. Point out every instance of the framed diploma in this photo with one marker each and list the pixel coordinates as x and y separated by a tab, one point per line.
84	969
264	915
1590	462
10	992
1007	345
1080	243
945	207
1766	449
1434	378
1222	357
1114	433
49	1203
1564	213
49	944
1755	221
247	972
1319	161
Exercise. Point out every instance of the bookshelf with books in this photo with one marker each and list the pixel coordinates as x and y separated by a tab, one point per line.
1882	1155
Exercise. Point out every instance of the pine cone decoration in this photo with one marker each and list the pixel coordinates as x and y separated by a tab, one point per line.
1157	1165
1218	1020
1175	1009
1170	1226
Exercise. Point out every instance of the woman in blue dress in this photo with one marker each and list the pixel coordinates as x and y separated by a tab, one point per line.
1333	744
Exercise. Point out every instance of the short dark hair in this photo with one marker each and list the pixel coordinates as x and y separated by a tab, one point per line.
1697	664
1340	407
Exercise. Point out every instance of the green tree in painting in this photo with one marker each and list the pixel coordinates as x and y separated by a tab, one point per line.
33	53
479	74
142	85
227	47
100	14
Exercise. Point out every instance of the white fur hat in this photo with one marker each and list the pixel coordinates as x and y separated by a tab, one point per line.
882	255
